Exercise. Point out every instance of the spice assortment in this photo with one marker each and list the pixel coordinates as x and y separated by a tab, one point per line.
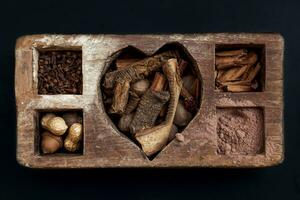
153	98
141	103
64	131
60	72
237	70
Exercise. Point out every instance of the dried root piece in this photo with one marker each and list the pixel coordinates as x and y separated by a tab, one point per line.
133	102
121	79
125	62
120	98
150	105
154	139
125	121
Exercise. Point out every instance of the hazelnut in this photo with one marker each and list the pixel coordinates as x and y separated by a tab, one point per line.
71	118
55	125
125	122
72	141
182	116
140	87
50	143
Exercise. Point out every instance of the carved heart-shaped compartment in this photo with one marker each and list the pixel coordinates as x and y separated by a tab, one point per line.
151	98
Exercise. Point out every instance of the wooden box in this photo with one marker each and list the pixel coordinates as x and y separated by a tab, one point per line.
104	146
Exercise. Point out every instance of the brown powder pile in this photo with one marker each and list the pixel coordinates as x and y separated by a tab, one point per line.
240	131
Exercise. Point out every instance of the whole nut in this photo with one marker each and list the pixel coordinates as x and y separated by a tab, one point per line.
125	122
72	141
71	118
182	116
140	87
50	143
55	125
46	118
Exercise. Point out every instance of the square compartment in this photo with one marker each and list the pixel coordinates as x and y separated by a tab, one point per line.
58	113
59	71
240	130
239	84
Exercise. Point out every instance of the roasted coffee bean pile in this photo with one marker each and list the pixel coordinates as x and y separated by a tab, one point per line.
60	72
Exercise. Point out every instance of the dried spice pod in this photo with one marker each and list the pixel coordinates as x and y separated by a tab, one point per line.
50	143
154	139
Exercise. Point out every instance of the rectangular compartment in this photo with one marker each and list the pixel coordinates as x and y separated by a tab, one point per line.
232	76
59	70
70	117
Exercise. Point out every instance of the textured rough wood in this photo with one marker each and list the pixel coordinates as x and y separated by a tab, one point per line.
104	145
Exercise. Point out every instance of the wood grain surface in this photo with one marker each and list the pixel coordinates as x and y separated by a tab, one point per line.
104	146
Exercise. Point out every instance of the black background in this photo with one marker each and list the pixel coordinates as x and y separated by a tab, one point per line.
24	17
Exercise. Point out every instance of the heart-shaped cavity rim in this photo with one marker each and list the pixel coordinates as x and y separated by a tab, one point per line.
167	46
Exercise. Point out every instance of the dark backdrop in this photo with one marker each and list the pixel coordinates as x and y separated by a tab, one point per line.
24	17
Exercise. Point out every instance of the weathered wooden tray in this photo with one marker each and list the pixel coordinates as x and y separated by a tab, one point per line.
104	146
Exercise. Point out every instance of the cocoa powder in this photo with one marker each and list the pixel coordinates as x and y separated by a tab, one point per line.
240	131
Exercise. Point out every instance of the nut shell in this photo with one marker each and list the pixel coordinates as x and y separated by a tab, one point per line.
50	143
45	119
57	126
72	141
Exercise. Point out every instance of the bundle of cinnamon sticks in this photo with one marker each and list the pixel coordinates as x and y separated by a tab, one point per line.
147	99
237	70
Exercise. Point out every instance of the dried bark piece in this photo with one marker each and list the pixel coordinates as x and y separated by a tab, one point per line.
238	52
125	62
150	105
154	139
136	71
133	102
253	72
239	88
235	61
120	98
